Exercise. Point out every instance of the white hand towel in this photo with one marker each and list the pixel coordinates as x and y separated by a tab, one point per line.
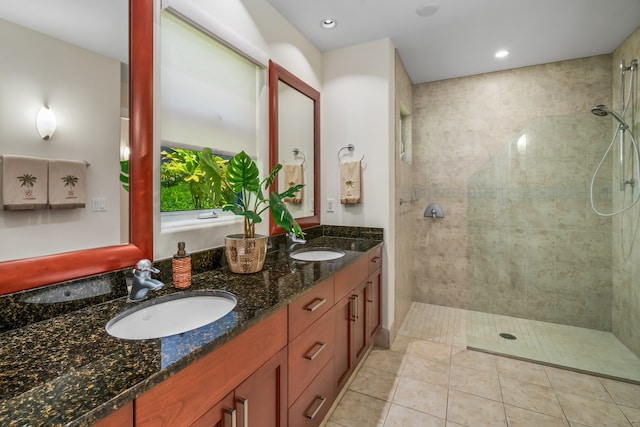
350	182
293	174
67	184
24	183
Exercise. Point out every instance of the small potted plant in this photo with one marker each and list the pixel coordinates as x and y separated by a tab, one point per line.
241	184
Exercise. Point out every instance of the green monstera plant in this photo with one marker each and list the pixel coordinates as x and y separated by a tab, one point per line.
239	181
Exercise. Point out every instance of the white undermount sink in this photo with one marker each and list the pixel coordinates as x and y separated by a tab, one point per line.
171	314
317	254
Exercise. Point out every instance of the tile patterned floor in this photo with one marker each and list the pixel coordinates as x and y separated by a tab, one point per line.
433	380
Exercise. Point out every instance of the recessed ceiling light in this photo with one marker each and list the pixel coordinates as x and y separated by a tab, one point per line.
502	53
328	23
428	9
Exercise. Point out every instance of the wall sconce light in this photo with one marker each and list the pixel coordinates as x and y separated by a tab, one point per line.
45	122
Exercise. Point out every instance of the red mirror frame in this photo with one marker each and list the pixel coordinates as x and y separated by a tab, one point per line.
34	272
278	73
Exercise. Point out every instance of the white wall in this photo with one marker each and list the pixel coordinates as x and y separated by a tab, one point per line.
83	90
358	95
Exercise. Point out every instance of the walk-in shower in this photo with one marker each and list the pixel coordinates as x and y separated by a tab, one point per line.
622	129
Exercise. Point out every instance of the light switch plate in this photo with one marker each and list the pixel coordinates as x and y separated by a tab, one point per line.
330	203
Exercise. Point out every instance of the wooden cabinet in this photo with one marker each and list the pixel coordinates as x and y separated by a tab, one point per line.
374	304
223	414
309	353
261	400
357	313
310	409
284	371
350	334
310	307
123	417
191	393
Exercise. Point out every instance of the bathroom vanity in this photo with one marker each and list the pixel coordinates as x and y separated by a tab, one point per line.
280	358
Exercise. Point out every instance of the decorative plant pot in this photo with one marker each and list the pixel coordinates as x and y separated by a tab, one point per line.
245	255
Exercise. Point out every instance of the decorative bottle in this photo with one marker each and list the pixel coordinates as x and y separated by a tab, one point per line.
181	268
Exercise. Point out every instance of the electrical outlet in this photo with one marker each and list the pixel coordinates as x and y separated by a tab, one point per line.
330	203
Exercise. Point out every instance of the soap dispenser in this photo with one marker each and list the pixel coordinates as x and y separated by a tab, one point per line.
181	268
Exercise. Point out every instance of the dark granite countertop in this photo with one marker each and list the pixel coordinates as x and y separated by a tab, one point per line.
66	370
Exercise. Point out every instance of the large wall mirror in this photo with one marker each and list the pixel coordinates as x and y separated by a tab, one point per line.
294	141
130	88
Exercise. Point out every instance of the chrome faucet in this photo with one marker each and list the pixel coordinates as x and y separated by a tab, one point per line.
293	241
142	281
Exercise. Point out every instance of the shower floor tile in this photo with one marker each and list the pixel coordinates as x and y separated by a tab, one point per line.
572	347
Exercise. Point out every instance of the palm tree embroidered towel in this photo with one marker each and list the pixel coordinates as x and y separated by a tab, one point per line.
293	175
24	183
67	184
350	182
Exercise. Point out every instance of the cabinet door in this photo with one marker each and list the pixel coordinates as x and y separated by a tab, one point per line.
359	322
343	345
374	299
222	414
351	334
261	400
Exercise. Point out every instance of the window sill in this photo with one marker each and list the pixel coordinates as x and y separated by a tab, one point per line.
173	222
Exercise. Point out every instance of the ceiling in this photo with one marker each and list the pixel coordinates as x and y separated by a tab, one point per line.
460	39
97	25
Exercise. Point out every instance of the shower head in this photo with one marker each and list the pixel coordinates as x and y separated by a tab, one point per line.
602	110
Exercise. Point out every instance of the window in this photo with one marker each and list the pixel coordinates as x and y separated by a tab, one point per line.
208	98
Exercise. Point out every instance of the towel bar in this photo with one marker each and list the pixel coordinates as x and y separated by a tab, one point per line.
349	147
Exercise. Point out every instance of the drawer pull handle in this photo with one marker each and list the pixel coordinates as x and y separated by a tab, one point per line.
229	417
315	407
244	411
315	304
375	259
315	354
369	291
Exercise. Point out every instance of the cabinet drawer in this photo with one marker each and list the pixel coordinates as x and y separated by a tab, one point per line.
375	259
351	276
309	353
314	403
310	307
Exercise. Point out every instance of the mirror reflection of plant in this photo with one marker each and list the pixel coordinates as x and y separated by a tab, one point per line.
183	166
240	184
